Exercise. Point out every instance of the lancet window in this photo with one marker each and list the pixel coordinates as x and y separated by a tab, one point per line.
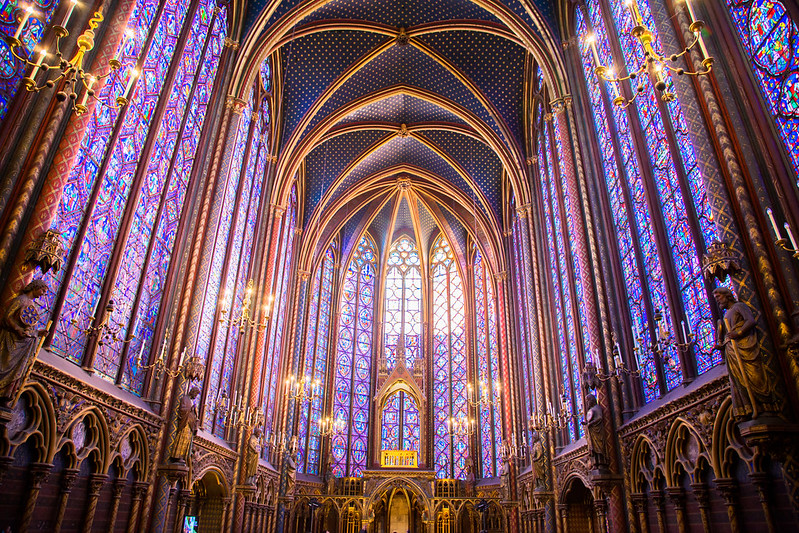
449	362
123	201
352	400
658	203
770	39
315	362
403	304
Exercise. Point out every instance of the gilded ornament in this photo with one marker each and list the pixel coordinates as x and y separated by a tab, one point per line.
47	252
720	261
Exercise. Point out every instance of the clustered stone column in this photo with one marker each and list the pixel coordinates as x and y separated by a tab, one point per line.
96	482
640	503
39	473
68	477
139	490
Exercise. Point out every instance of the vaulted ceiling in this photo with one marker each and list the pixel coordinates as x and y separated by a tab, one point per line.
403	115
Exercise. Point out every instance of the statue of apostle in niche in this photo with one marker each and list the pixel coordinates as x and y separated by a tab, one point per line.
595	433
188	423
19	340
251	459
752	384
537	454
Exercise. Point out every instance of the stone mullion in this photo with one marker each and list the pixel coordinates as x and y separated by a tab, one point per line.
730	213
49	197
96	482
123	233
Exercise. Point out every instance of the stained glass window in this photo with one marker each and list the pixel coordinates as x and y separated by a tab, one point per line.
12	70
400	423
315	363
151	190
403	314
770	39
449	362
351	402
488	381
676	178
558	250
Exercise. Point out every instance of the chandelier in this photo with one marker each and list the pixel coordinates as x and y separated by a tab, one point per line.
655	62
69	73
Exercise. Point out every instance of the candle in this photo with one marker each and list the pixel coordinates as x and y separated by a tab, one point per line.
774	226
684	331
790	236
617	360
128	36
72	5
591	40
38	65
26	15
632	5
133	75
691	14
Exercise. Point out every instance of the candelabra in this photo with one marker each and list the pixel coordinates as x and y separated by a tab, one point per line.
244	319
329	427
238	412
191	368
487	397
105	331
70	72
461	426
780	241
655	62
516	449
548	421
591	373
303	390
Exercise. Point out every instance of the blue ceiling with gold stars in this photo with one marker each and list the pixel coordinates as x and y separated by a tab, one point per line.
420	91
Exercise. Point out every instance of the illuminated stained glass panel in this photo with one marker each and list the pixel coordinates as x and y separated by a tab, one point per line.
403	305
488	382
318	335
449	362
770	39
632	220
401	425
353	361
12	70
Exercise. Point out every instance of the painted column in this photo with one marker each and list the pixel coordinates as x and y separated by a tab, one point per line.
116	493
96	482
68	477
38	475
138	492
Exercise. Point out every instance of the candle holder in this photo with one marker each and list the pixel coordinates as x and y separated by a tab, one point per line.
655	63
70	72
192	368
107	330
329	427
486	394
514	450
244	320
303	389
780	240
461	426
237	413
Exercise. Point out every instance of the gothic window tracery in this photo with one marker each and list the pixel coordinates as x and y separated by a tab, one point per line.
403	302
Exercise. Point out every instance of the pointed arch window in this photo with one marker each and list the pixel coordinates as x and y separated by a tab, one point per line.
658	202
351	402
449	361
770	39
403	311
400	418
144	183
315	362
488	378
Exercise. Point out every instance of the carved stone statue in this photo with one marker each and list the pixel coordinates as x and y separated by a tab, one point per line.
537	454
470	476
752	385
188	423
19	341
291	463
504	475
252	456
329	477
595	433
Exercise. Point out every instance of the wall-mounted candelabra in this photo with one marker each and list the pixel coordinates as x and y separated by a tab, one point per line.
328	426
303	389
70	73
516	449
461	426
107	330
238	412
656	63
549	421
244	319
190	367
666	338
485	396
780	240
592	374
